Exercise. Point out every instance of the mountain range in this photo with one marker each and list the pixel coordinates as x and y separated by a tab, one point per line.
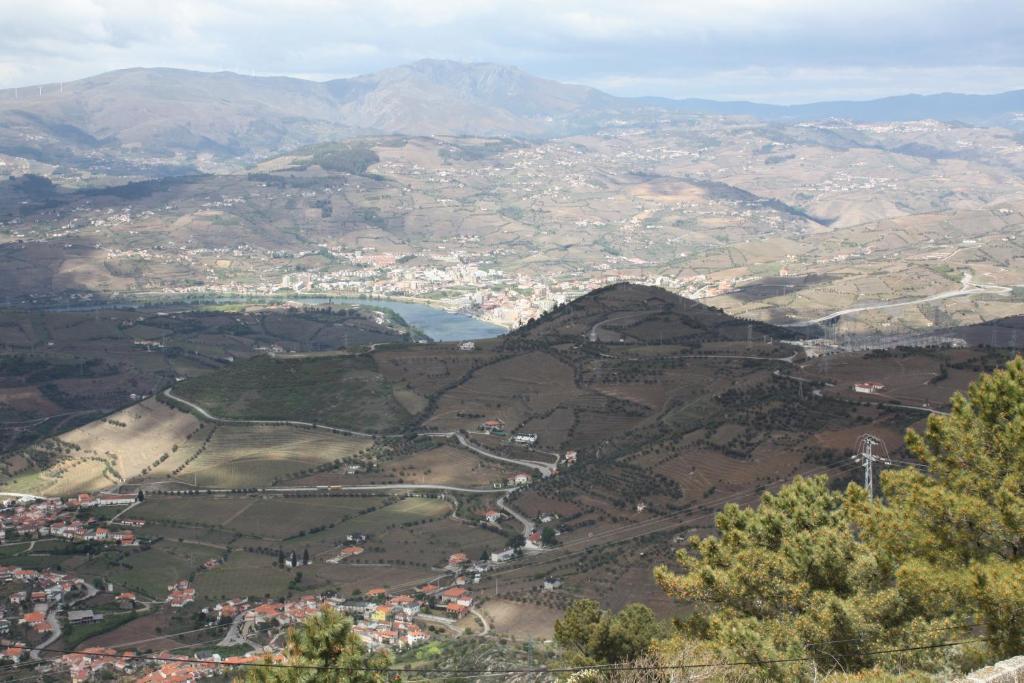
163	111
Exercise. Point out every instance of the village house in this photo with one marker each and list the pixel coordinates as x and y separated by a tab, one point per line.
519	479
14	652
492	516
503	555
525	439
868	387
492	426
345	553
180	594
83	616
456	560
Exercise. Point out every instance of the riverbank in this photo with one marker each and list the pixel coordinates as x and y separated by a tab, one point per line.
433	321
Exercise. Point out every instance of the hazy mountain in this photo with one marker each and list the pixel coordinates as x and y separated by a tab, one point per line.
975	109
168	112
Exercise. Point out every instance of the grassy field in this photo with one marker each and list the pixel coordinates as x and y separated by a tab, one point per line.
339	391
76	634
284	517
149	572
519	620
446	465
189	510
259	455
379	523
243	574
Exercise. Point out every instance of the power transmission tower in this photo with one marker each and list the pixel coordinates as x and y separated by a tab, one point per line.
867	455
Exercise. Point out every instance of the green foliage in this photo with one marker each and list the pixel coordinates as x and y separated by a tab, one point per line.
590	635
960	526
830	577
324	649
339	391
345	158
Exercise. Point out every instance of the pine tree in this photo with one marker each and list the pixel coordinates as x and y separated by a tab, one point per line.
324	649
813	573
590	635
957	530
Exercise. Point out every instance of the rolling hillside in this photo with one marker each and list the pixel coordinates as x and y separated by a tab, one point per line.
158	113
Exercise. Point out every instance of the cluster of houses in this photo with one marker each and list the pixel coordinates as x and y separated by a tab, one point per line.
381	620
103	663
54	517
95	661
76	530
30	610
180	594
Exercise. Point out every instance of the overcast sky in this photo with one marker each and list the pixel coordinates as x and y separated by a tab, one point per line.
781	51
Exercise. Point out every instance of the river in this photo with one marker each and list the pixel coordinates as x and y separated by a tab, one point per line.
436	323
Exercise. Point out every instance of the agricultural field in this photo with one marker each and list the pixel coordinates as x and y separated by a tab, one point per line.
241	575
445	464
149	571
336	391
520	620
242	456
61	369
127	445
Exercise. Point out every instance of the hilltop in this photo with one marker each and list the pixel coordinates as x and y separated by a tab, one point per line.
639	314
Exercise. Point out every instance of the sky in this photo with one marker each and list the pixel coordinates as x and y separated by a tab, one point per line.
779	51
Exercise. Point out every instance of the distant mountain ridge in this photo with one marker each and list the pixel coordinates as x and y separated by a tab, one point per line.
168	112
950	107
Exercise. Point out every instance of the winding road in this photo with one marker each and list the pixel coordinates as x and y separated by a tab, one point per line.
545	469
967	289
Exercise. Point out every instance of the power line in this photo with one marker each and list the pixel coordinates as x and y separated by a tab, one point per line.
541	670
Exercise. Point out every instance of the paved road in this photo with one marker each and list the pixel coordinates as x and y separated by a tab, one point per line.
519	517
294	423
54	623
545	469
966	290
382	487
592	335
